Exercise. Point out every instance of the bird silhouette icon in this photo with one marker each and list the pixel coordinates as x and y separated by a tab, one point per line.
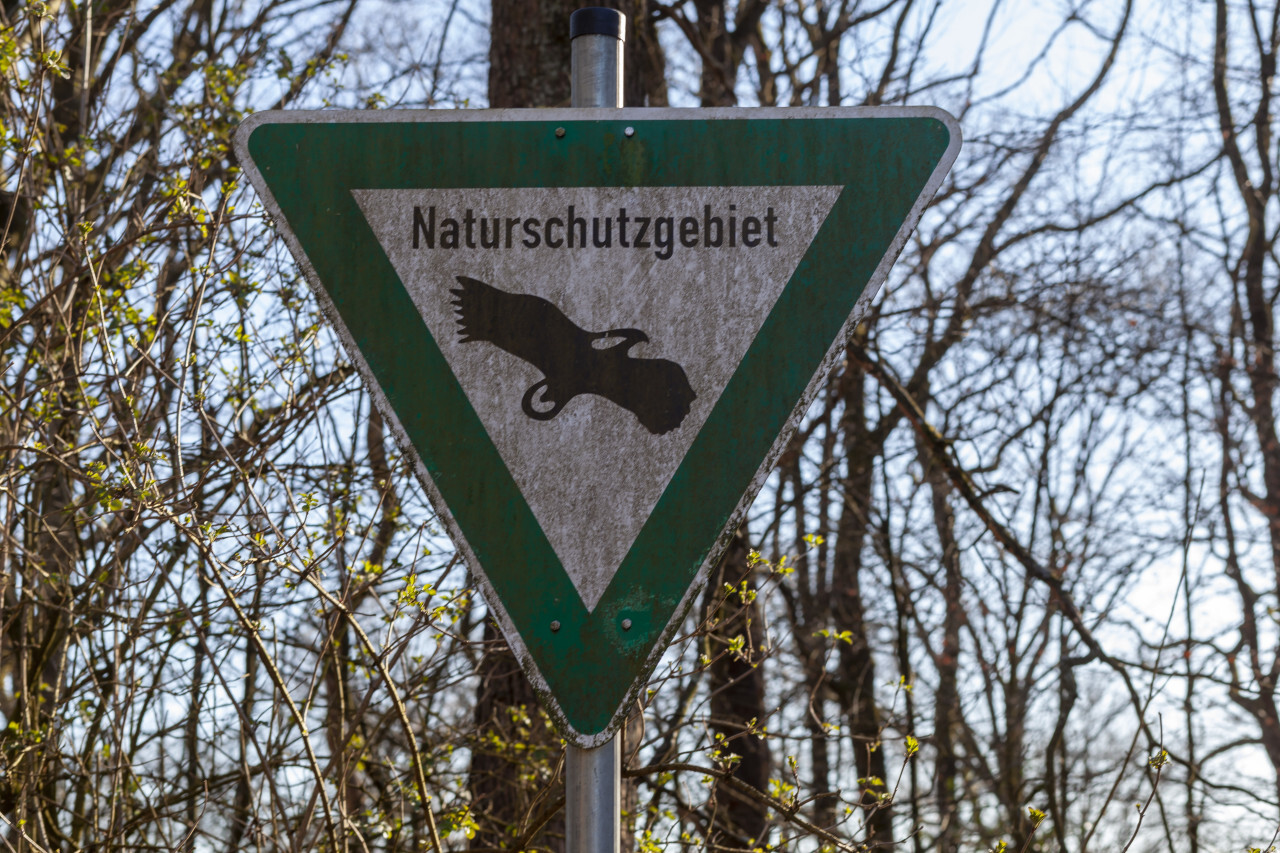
573	361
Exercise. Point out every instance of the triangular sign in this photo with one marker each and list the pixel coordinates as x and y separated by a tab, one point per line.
593	331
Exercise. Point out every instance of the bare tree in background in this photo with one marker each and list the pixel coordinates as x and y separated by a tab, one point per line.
1016	573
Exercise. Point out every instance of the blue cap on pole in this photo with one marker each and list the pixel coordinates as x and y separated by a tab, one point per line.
597	20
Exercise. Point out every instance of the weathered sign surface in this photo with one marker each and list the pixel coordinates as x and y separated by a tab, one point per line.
592	330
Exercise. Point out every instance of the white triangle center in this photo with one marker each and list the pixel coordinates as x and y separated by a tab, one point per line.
593	472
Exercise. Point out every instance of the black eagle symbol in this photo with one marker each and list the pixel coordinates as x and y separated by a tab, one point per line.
572	360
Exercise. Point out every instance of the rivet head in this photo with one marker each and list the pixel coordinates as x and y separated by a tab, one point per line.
555	625
630	131
626	624
559	133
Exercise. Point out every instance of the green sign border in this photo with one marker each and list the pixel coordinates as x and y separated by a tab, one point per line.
305	165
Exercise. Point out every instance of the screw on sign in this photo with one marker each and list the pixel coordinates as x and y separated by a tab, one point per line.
593	335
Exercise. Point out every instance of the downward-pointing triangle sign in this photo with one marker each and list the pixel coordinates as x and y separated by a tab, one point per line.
593	332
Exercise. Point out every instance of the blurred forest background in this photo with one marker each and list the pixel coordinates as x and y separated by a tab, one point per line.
1014	586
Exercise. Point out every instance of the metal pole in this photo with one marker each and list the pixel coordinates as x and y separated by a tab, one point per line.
592	777
597	36
592	798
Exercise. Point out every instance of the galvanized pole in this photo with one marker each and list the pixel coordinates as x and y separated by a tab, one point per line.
597	36
592	798
592	777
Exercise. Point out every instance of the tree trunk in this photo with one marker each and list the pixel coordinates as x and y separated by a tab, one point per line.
529	54
947	698
510	735
857	681
737	700
529	62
